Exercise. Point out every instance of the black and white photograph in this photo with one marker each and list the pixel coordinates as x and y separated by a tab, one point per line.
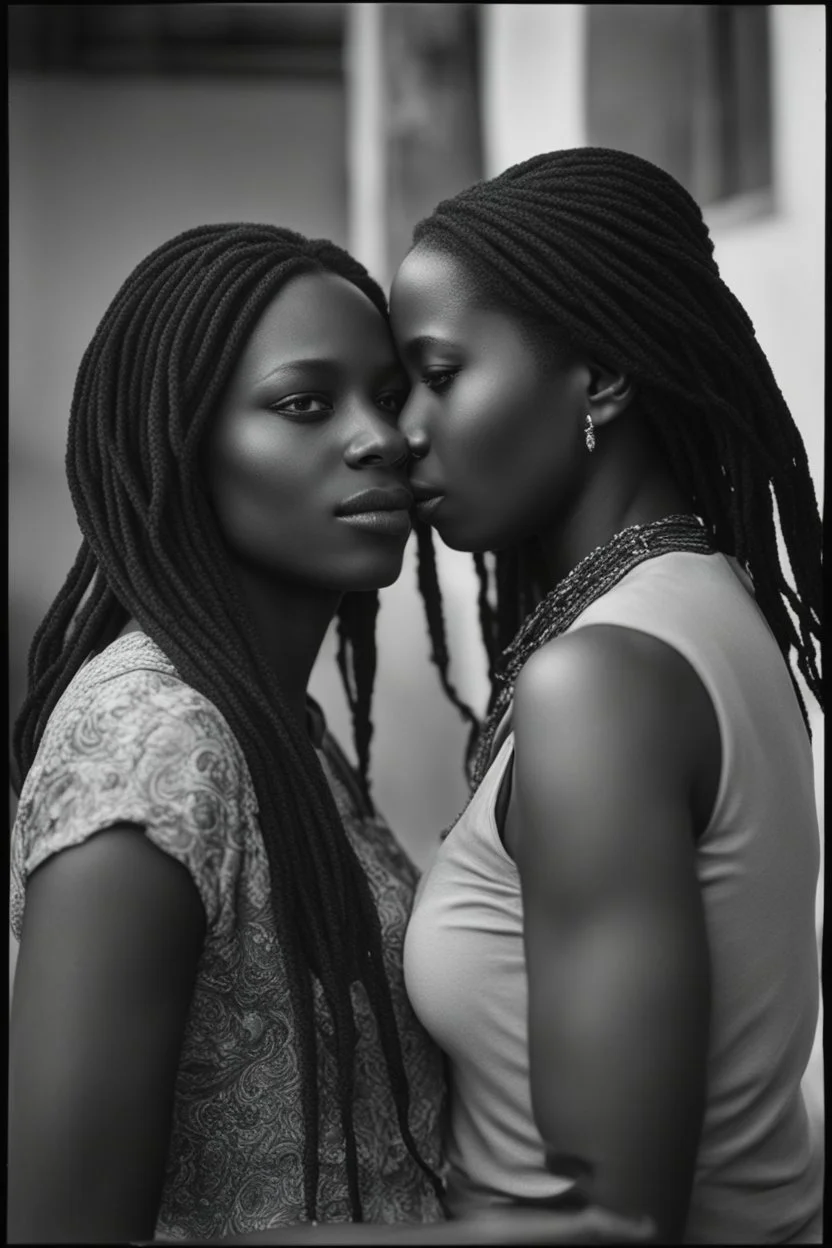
416	713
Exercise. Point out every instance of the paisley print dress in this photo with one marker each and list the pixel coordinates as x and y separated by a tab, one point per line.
131	742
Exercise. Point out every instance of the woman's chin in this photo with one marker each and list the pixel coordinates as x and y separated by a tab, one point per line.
379	575
466	541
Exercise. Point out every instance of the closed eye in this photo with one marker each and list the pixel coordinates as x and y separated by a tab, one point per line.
439	379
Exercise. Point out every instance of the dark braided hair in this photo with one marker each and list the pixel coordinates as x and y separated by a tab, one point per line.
146	391
609	254
428	582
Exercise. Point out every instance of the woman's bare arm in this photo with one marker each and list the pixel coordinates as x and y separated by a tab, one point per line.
616	950
112	934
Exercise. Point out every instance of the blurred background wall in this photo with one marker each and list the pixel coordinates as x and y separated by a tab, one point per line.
130	123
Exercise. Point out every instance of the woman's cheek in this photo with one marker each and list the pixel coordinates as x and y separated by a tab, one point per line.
485	419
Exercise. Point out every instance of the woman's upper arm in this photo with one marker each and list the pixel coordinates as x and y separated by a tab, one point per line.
615	938
112	934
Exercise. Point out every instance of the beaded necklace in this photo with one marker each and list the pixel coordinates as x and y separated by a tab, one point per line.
596	573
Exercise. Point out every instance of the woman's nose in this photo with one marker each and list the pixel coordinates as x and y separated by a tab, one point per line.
412	426
378	443
417	443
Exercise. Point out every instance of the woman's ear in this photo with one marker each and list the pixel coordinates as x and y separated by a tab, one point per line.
608	394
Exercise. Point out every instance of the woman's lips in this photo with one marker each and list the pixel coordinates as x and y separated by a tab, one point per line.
395	523
427	506
379	510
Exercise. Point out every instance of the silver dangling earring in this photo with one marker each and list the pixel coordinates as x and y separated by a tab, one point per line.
590	433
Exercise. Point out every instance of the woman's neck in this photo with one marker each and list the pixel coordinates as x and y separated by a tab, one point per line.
290	623
630	484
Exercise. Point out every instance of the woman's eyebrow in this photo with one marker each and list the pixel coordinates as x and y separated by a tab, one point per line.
331	369
423	342
297	366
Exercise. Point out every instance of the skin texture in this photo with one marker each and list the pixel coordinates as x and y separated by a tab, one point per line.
113	928
308	420
615	941
111	937
470	368
613	731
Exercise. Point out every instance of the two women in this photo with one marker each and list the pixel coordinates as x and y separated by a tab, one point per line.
594	947
210	1037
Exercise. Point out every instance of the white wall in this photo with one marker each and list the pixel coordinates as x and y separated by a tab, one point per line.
533	73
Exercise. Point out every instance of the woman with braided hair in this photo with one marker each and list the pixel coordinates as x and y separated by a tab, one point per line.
209	1031
615	945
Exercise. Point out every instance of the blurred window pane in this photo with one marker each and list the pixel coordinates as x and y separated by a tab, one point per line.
686	86
432	111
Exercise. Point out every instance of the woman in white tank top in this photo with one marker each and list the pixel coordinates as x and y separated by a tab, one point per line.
615	945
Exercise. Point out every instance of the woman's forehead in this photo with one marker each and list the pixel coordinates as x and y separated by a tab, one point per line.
317	313
431	283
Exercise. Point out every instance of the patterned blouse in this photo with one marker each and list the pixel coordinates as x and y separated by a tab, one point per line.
130	742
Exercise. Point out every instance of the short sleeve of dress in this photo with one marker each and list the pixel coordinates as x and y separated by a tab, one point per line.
140	748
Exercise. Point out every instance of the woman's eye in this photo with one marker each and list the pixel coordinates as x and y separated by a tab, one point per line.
393	401
439	379
303	405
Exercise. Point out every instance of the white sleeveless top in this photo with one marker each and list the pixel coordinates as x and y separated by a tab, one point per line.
759	1175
